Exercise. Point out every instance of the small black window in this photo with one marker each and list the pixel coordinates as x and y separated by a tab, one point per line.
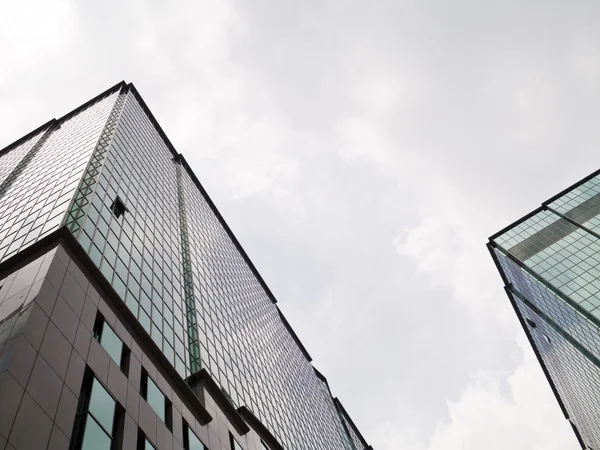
118	207
531	323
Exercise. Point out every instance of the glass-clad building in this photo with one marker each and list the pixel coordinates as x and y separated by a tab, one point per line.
104	228
550	264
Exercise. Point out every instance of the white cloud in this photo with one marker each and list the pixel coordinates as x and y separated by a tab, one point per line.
527	417
447	246
221	118
454	256
522	416
32	32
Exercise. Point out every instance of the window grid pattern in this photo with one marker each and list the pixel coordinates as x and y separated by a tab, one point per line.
571	321
82	199
22	165
11	159
583	195
243	341
36	201
566	257
244	344
576	378
139	253
571	264
331	419
525	229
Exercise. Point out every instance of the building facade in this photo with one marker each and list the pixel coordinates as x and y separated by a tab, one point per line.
130	316
550	263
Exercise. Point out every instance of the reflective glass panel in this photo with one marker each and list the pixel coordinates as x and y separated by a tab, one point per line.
39	177
194	442
156	399
111	343
102	406
95	438
170	258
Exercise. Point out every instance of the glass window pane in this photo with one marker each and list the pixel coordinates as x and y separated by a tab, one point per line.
148	445
94	438
194	442
111	343
102	406
156	399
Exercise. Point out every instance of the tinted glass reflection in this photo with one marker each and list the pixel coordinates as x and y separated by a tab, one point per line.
102	406
95	437
111	343
156	399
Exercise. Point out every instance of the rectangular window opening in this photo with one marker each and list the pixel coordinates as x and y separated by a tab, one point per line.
117	207
99	420
190	440
110	341
156	399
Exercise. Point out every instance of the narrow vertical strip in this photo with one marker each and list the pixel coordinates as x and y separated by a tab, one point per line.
81	199
188	279
348	436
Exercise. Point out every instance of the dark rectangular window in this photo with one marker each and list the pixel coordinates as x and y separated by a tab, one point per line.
190	440
156	399
113	345
98	423
118	207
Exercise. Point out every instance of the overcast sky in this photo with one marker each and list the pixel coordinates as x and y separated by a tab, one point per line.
362	152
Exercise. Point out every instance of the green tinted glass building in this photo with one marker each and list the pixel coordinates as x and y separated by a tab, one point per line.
550	263
121	282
